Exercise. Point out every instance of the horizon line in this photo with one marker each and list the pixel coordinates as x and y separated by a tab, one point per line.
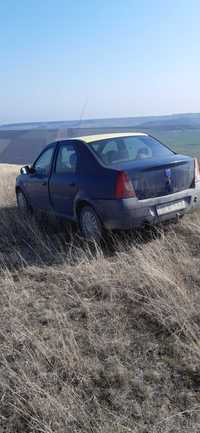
98	118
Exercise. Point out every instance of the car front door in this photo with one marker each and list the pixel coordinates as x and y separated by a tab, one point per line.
63	184
38	180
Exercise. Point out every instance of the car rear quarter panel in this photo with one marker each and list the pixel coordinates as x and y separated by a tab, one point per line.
95	181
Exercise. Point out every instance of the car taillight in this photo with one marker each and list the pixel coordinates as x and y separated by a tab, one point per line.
124	186
197	170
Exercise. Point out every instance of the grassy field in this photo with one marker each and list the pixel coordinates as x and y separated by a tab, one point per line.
101	340
20	147
186	141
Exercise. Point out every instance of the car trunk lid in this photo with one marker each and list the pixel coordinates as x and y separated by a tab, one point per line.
156	178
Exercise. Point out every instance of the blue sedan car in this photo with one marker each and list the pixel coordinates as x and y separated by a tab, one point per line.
110	181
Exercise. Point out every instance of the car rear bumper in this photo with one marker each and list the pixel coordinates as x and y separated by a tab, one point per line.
129	213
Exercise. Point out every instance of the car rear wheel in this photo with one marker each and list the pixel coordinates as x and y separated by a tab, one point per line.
22	203
90	224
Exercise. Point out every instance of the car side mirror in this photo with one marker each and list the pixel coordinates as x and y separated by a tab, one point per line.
25	170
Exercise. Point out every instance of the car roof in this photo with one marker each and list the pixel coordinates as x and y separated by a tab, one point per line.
97	137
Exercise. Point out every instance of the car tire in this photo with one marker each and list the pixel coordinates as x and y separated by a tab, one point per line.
22	203
90	224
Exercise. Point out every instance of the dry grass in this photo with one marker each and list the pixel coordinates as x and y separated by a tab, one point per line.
102	340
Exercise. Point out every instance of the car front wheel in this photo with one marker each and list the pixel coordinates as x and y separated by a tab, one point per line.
22	203
90	224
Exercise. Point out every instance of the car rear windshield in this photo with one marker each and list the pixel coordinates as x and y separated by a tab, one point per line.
130	148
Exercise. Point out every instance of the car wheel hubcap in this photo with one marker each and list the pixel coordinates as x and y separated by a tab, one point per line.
90	225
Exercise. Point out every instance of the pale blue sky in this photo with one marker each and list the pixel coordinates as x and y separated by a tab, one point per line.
116	58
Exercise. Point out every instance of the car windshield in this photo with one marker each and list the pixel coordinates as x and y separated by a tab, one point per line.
132	148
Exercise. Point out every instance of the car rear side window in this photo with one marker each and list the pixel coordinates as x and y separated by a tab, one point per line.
131	148
66	160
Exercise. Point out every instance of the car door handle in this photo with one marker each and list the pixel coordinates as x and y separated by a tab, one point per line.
44	183
72	184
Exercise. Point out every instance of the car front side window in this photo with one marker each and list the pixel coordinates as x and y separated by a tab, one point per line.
43	165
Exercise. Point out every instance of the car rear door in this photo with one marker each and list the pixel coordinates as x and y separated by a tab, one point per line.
37	184
63	184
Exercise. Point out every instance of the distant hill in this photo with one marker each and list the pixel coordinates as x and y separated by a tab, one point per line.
21	143
190	119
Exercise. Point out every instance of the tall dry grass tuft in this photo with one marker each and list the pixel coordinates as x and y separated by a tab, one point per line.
102	340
